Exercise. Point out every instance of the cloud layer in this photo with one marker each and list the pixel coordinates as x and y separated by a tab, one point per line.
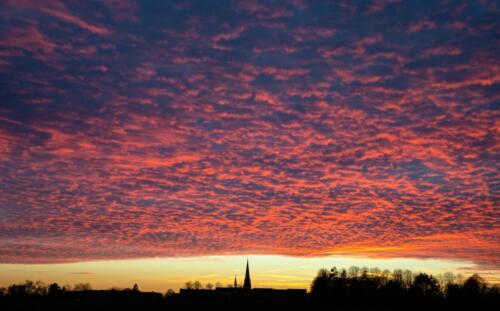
301	128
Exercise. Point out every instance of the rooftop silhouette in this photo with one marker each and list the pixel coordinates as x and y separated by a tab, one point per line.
247	284
244	293
352	289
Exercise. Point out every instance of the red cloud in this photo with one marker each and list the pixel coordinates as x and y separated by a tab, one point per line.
58	10
166	137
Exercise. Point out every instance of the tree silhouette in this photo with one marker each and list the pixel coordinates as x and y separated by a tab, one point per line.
407	278
320	287
170	292
188	285
397	276
27	288
17	290
353	271
343	274
375	271
54	289
359	289
197	285
364	272
80	287
425	286
474	286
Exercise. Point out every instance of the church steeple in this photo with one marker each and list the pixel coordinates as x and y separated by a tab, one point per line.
235	283
247	284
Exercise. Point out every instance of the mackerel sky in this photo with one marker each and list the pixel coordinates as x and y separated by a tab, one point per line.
303	128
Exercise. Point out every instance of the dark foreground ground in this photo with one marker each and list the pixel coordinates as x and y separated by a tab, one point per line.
109	300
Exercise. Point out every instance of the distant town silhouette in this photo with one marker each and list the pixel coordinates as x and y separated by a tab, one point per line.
342	289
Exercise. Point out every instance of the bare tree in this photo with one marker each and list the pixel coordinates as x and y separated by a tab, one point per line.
407	277
80	287
384	276
375	271
197	285
353	271
188	285
386	273
218	284
364	272
397	276
209	286
440	279
449	278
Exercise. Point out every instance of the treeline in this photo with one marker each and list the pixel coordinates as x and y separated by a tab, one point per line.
37	295
210	286
371	286
345	288
39	288
199	285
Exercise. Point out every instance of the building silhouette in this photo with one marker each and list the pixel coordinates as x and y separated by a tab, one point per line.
247	284
245	294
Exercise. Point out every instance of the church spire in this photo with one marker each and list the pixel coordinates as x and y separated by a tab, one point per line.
235	283
247	284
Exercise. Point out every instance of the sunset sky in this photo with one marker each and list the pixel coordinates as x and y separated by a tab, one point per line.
163	141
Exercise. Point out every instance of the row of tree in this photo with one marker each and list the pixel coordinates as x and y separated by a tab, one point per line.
363	285
40	288
344	286
199	285
209	286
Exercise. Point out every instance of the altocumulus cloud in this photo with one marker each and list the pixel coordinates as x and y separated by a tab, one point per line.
303	128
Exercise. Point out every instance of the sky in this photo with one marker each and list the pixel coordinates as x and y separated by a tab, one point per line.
191	134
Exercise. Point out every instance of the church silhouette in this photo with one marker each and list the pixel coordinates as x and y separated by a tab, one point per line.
240	294
247	284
